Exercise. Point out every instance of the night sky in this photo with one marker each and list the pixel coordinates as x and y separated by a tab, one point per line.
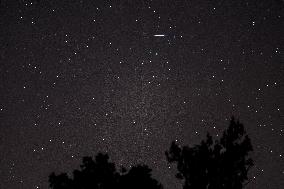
78	77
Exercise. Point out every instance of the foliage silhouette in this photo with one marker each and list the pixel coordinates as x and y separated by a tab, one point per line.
223	164
101	174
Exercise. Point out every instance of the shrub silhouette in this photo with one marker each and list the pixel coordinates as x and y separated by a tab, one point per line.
222	164
101	174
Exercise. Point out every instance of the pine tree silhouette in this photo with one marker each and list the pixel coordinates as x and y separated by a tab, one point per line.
101	174
223	164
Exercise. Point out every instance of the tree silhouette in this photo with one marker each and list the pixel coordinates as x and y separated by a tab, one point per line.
222	164
102	174
139	177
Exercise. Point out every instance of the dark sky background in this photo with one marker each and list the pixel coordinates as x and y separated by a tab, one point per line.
82	77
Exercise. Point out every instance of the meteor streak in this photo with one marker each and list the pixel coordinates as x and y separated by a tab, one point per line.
159	35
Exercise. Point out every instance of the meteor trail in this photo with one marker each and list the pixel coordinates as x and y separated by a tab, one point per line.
159	35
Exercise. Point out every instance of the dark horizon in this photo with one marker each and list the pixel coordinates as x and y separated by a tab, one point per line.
222	163
127	78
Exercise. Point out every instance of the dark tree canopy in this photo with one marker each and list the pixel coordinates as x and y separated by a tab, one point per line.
222	164
101	174
219	164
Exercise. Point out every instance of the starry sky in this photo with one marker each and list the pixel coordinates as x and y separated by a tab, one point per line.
78	77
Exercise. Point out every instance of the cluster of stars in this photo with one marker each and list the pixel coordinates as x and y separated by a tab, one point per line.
129	78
